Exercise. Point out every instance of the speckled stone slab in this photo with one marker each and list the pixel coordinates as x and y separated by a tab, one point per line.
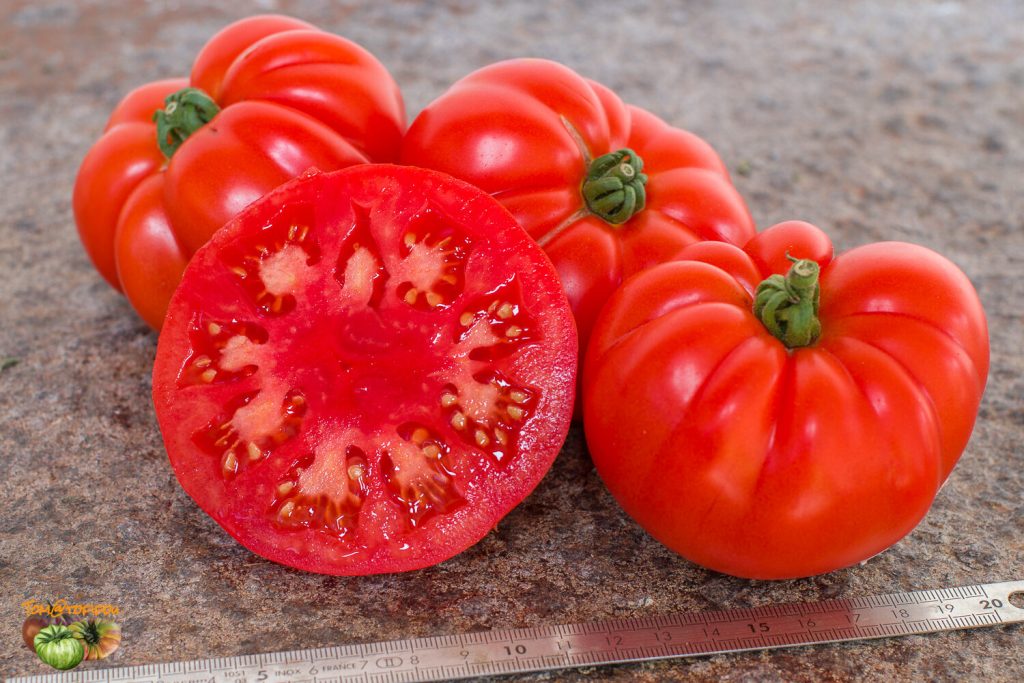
874	120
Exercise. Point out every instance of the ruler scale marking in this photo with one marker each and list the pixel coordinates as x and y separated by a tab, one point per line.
632	639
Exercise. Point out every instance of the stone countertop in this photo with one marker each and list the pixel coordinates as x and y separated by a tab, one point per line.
874	120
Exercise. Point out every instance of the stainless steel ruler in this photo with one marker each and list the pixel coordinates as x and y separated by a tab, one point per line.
544	648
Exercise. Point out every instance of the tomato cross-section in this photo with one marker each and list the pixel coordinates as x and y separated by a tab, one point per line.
365	371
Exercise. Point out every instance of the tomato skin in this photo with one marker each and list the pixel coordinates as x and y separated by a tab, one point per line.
766	462
149	256
114	167
328	348
503	128
291	97
246	151
217	56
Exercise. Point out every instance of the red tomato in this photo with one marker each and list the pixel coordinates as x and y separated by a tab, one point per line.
776	457
269	97
365	370
606	188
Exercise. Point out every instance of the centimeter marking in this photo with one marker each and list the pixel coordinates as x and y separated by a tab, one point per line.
544	648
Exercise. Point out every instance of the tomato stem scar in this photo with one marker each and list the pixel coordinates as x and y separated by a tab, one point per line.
184	112
614	187
788	305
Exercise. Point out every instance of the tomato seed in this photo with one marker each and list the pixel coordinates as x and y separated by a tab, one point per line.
254	451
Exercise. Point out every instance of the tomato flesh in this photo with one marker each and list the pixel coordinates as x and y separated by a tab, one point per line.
365	371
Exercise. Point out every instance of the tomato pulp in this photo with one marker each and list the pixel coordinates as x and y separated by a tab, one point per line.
365	370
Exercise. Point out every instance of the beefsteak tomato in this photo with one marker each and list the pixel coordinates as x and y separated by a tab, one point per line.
365	370
606	188
269	96
791	427
57	646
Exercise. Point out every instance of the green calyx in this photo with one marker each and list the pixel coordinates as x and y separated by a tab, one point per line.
184	112
614	186
788	305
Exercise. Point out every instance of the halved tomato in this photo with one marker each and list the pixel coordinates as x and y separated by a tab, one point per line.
365	370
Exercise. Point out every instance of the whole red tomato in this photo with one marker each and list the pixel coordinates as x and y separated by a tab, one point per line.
791	427
606	188
269	97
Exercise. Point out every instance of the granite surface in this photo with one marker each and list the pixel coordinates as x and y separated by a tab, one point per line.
874	120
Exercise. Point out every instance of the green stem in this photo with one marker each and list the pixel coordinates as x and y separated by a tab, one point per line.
184	112
788	306
614	186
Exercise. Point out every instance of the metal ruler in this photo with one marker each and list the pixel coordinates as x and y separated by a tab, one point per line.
544	648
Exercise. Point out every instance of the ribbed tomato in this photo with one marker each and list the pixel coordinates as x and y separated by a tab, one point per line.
365	370
775	412
269	97
606	188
